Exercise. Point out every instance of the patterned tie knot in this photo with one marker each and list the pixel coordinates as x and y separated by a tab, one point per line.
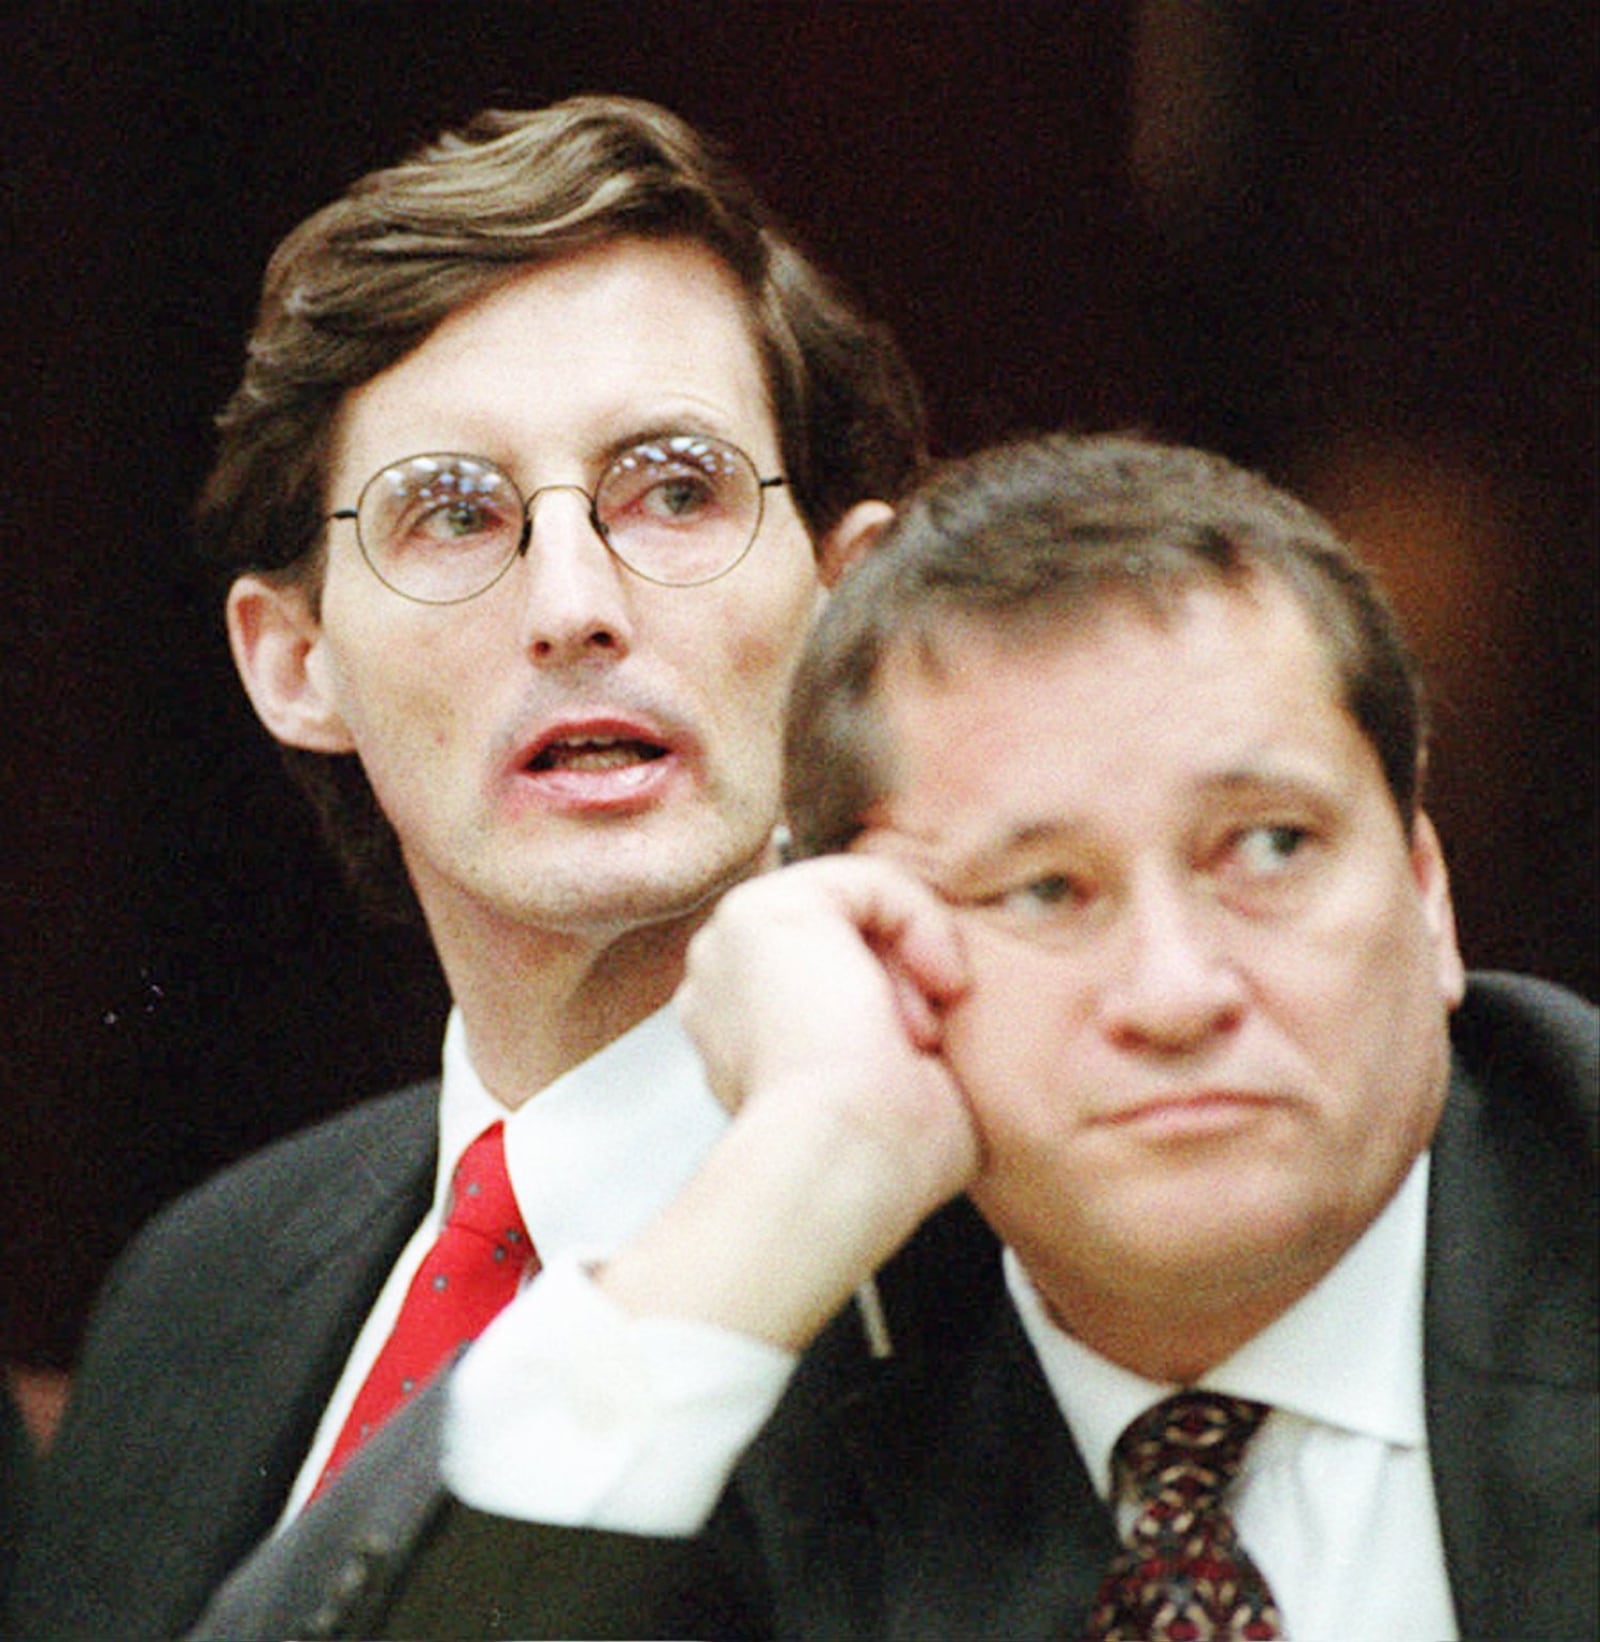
1182	1575
1183	1453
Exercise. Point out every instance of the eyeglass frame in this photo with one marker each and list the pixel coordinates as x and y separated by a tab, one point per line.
525	539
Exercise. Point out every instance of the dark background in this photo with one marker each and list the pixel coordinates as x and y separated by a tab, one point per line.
1350	244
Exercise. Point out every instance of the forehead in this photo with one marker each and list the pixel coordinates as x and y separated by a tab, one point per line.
631	336
1112	716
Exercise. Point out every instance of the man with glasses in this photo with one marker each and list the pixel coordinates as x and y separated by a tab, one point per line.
548	446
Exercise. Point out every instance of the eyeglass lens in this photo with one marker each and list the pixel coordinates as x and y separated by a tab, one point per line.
445	527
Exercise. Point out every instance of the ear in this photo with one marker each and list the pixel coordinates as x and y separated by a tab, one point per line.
849	539
275	637
1438	912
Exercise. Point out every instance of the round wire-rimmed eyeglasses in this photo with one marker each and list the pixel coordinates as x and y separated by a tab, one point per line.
441	528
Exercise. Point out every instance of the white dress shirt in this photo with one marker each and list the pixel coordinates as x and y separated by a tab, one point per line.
592	1158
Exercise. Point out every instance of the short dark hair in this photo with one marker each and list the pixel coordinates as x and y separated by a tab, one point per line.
365	280
1047	529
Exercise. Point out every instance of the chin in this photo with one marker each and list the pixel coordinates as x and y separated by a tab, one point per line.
627	901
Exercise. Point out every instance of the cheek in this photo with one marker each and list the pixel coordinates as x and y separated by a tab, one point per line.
1367	974
1013	1040
771	638
401	691
1398	1056
774	595
741	653
1360	1012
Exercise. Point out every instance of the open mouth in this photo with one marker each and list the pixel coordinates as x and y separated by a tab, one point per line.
596	754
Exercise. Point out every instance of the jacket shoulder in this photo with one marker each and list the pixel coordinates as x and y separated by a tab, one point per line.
1537	1043
379	1141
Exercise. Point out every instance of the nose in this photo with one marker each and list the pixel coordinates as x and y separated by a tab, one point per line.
1173	985
575	606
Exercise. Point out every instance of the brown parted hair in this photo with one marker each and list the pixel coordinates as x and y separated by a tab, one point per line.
1044	531
365	280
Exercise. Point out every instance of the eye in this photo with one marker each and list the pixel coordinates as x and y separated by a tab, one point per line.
433	502
1046	901
675	482
677	497
1267	850
452	519
1050	891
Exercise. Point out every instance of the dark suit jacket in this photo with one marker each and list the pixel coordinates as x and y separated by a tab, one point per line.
940	1494
211	1356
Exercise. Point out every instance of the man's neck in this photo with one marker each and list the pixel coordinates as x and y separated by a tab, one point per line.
1170	1336
1175	1349
536	1004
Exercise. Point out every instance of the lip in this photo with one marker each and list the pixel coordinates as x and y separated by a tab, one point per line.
599	787
1197	1114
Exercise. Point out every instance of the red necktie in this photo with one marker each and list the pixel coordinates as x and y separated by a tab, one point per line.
1182	1574
469	1274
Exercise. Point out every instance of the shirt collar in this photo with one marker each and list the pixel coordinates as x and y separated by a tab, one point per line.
1348	1354
597	1153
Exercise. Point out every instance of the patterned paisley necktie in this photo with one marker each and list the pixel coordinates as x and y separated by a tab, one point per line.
1182	1575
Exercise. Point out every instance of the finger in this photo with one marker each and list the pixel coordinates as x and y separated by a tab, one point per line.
918	1017
909	929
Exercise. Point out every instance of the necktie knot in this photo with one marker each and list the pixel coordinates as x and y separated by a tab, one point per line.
481	1200
1182	1574
1188	1448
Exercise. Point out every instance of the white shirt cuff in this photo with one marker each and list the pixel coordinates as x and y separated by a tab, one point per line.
570	1410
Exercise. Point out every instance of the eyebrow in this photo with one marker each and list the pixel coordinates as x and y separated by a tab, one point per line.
486	442
1273	776
700	425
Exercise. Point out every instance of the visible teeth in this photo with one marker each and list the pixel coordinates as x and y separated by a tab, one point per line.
599	753
596	757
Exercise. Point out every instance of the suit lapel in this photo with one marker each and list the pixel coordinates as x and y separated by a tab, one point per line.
261	1381
994	1529
339	1238
1509	1354
984	1520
